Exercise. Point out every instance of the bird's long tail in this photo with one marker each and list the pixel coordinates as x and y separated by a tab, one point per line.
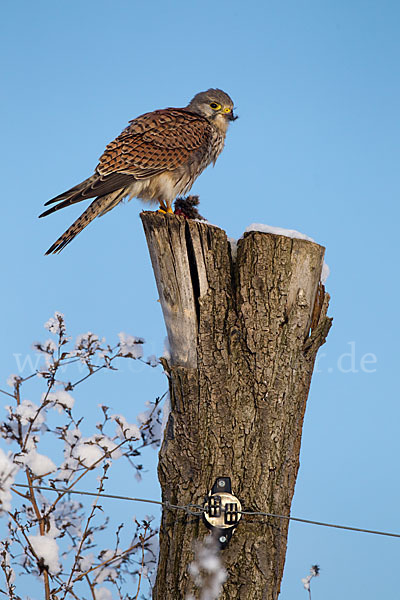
96	185
96	209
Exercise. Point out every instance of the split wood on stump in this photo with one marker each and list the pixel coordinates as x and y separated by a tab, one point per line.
243	333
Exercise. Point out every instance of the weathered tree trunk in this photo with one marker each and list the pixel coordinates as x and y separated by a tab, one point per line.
244	333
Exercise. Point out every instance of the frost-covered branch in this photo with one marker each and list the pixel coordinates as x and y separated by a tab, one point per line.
306	581
56	539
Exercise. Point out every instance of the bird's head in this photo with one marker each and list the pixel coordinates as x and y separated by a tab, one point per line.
215	105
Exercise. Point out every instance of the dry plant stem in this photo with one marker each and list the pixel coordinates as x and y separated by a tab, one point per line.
83	538
18	400
87	469
40	519
46	584
25	536
24	496
242	358
7	574
91	587
87	376
32	498
51	384
8	394
16	395
45	573
41	407
142	540
72	594
111	560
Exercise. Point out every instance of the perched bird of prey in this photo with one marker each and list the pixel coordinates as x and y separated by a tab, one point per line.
156	158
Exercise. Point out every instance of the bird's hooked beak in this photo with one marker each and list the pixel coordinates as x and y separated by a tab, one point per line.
232	116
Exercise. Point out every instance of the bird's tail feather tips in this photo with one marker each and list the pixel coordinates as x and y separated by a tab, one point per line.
74	191
96	185
90	213
63	204
97	208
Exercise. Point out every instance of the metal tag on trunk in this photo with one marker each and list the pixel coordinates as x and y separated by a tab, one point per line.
222	510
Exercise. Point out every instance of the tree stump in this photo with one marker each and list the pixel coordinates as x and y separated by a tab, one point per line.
243	332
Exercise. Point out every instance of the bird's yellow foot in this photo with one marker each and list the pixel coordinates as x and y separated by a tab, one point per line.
165	209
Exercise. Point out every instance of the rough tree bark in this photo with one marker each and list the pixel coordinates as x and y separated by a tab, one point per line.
244	333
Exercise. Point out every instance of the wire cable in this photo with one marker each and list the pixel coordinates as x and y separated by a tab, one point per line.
188	508
321	523
197	510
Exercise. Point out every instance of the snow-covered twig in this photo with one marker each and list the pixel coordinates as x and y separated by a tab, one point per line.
306	581
40	526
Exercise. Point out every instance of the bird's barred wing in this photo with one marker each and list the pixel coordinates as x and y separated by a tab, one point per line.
156	142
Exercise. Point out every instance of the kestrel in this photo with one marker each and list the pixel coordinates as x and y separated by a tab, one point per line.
156	158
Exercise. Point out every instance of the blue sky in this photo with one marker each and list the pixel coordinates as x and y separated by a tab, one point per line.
316	85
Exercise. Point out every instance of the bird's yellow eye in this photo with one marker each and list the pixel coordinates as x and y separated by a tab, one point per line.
227	110
215	105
